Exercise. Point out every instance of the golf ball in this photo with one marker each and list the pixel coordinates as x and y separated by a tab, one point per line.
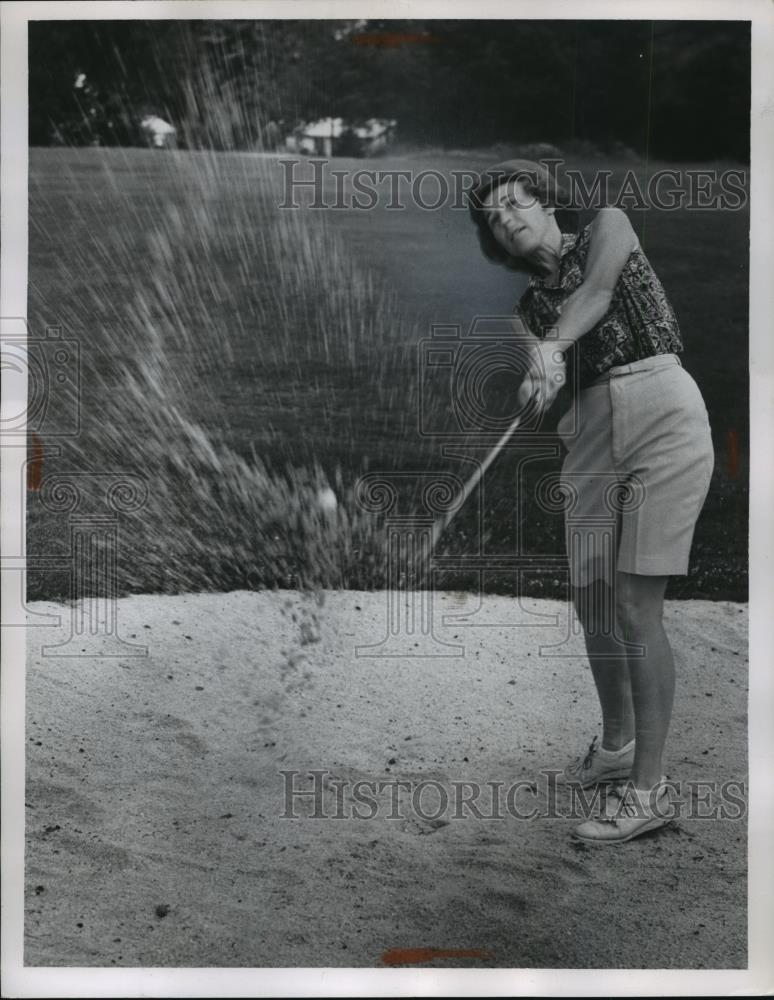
326	500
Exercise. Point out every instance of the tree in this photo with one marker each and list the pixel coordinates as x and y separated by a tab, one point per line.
676	88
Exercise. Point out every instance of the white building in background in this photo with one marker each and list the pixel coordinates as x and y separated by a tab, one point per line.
376	134
319	137
157	132
336	137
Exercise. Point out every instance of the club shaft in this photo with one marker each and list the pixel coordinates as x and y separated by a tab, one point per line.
442	523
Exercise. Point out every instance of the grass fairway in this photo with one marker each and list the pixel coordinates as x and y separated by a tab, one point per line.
236	356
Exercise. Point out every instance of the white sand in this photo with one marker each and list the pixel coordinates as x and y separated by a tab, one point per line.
153	782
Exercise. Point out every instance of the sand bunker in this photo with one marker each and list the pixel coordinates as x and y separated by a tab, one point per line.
154	797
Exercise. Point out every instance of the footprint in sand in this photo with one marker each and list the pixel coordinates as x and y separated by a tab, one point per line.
169	731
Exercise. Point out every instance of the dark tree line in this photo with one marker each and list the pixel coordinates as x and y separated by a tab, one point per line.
679	89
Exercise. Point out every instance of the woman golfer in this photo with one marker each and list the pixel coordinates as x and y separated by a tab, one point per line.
637	469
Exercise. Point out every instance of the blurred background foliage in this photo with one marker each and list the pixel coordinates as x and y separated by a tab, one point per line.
675	89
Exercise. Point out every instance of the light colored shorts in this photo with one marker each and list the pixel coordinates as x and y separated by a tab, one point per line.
637	471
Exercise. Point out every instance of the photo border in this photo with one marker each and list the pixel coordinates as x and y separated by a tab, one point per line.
58	981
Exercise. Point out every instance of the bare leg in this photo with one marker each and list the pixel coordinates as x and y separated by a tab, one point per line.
640	603
595	607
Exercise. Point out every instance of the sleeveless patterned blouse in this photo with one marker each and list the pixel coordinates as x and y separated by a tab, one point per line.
639	323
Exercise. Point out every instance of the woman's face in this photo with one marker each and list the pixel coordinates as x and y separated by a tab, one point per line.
518	221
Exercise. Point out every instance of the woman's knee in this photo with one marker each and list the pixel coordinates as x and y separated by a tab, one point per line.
595	607
639	603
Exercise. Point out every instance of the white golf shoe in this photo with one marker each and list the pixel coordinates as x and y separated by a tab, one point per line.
599	765
628	813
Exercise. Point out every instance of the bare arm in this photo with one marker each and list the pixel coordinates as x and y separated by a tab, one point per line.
612	242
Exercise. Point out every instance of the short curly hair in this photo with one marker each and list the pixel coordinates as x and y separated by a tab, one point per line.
538	182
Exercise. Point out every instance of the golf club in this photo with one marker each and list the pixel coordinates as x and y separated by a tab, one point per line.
443	521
